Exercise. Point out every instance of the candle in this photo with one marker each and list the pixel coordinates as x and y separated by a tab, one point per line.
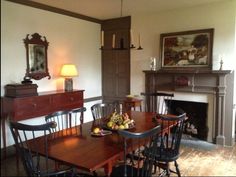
154	61
102	38
113	40
139	40
131	36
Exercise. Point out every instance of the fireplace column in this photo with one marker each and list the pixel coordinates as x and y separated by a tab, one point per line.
220	109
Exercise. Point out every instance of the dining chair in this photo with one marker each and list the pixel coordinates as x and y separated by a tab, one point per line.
25	137
66	119
101	110
139	153
158	102
169	143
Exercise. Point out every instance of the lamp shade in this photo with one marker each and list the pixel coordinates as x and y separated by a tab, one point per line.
69	70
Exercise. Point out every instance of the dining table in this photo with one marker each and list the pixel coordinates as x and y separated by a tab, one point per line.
78	147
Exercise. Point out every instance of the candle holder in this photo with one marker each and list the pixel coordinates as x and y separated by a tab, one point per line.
139	48
221	64
132	46
153	64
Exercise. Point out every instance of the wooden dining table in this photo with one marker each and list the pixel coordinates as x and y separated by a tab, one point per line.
78	148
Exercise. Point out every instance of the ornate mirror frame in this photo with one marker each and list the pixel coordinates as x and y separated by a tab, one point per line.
36	55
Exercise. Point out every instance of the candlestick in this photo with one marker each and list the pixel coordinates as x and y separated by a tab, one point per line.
139	42
221	62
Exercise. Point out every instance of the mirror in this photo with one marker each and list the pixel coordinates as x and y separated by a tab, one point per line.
36	55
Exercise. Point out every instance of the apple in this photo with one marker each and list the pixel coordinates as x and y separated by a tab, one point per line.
96	130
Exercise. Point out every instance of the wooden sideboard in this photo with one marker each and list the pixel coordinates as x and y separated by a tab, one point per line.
22	108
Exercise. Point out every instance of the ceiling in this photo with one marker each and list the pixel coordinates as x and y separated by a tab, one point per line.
106	9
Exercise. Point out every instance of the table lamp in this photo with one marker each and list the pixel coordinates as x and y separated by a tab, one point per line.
68	71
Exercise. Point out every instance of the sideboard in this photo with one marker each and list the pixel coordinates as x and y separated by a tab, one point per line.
22	108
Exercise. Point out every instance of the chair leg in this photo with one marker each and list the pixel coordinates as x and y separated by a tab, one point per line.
167	169
177	169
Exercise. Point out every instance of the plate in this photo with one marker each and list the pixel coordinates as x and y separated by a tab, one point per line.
102	133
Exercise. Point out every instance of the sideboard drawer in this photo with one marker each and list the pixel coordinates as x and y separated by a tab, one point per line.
68	100
27	107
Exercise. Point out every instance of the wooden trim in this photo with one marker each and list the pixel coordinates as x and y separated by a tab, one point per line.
56	10
92	99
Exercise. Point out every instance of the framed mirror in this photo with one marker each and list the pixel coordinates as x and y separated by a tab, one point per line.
36	55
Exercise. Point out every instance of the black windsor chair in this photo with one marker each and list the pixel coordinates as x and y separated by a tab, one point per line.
101	110
141	149
169	143
34	164
66	119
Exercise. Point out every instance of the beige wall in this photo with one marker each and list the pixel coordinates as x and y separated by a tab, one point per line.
220	16
71	40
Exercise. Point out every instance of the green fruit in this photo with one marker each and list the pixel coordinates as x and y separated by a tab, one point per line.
121	127
109	124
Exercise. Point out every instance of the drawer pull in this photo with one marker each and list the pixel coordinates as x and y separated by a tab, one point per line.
71	99
34	105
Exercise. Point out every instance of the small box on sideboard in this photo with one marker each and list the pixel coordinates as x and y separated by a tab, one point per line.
20	90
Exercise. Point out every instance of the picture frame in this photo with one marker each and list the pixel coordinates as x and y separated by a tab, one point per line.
36	56
187	50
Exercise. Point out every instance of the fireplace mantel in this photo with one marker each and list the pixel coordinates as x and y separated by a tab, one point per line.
194	81
200	81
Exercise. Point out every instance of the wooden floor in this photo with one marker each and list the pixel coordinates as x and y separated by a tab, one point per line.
220	161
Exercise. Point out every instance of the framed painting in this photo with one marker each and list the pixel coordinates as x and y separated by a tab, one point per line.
187	49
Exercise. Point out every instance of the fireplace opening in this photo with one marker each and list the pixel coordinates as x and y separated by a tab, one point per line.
196	124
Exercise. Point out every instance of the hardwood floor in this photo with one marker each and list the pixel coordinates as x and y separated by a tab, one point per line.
219	161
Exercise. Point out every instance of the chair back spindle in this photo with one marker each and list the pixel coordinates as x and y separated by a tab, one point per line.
158	102
66	121
101	110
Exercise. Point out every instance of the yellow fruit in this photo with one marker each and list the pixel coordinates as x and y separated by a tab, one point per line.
109	124
126	126
121	127
96	130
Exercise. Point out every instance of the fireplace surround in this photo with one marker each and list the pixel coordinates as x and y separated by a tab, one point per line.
219	84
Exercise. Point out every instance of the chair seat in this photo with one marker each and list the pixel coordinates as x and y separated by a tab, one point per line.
167	155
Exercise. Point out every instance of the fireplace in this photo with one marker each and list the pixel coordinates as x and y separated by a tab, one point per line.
196	124
215	84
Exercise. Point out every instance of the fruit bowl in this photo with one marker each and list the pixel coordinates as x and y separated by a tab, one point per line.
120	122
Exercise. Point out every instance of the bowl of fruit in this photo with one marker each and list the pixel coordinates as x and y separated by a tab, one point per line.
120	122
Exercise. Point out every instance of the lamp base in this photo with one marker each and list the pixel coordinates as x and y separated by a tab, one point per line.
68	84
